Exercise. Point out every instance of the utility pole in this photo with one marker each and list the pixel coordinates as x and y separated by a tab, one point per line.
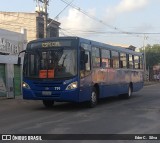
144	58
45	17
45	13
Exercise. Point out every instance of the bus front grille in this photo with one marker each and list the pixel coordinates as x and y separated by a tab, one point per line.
47	84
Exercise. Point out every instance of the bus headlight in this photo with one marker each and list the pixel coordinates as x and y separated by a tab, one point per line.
72	85
25	85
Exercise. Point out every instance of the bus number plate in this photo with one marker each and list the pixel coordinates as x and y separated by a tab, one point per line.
47	93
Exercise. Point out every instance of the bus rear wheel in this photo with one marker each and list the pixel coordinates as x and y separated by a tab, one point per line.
128	94
48	103
93	98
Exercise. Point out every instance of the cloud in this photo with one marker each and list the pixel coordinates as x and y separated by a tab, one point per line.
77	21
130	5
144	28
124	6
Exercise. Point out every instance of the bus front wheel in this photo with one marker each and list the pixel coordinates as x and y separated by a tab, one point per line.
48	103
93	98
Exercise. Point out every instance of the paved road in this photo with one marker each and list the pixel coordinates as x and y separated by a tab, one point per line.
140	115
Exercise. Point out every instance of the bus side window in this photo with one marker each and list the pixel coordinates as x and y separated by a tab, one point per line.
141	62
115	58
85	56
85	63
130	61
123	60
96	57
136	62
106	58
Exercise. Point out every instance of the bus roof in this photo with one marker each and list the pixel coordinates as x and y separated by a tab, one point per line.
93	43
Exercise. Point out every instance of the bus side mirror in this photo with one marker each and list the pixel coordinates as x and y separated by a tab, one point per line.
19	61
19	58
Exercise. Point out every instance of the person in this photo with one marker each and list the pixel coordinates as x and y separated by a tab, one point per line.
159	76
155	77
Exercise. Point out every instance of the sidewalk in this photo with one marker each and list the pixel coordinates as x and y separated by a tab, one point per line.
146	83
16	97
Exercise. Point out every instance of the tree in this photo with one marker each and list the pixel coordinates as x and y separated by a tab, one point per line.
152	55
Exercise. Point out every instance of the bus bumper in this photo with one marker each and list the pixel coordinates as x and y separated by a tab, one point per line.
67	95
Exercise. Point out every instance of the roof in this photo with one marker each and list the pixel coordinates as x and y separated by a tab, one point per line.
94	43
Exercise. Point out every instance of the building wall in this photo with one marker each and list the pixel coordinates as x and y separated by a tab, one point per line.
14	21
32	22
16	29
11	43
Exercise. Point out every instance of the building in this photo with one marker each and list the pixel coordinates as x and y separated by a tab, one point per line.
11	43
16	29
32	22
133	48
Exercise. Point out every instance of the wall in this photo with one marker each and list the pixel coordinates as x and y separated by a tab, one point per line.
11	43
32	22
14	21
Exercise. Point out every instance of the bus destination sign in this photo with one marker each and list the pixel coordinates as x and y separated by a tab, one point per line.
55	44
50	44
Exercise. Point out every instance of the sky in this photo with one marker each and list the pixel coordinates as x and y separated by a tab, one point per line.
117	22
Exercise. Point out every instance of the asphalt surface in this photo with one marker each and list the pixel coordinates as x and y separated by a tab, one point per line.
138	115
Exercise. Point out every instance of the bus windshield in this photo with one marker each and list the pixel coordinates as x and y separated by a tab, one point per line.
57	62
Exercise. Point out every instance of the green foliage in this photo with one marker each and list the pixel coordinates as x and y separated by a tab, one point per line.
152	55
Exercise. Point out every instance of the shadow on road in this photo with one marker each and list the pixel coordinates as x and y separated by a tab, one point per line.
70	107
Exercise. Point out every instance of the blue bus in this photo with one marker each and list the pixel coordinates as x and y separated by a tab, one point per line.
73	69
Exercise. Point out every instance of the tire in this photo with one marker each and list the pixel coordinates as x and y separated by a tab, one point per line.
128	94
93	99
48	103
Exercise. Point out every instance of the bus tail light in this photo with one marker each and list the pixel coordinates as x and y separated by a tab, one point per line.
72	85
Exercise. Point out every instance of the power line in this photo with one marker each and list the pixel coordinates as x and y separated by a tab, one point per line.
56	17
110	26
62	33
73	34
93	17
112	32
107	34
63	9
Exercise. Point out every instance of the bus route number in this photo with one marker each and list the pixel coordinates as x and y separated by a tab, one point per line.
57	88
